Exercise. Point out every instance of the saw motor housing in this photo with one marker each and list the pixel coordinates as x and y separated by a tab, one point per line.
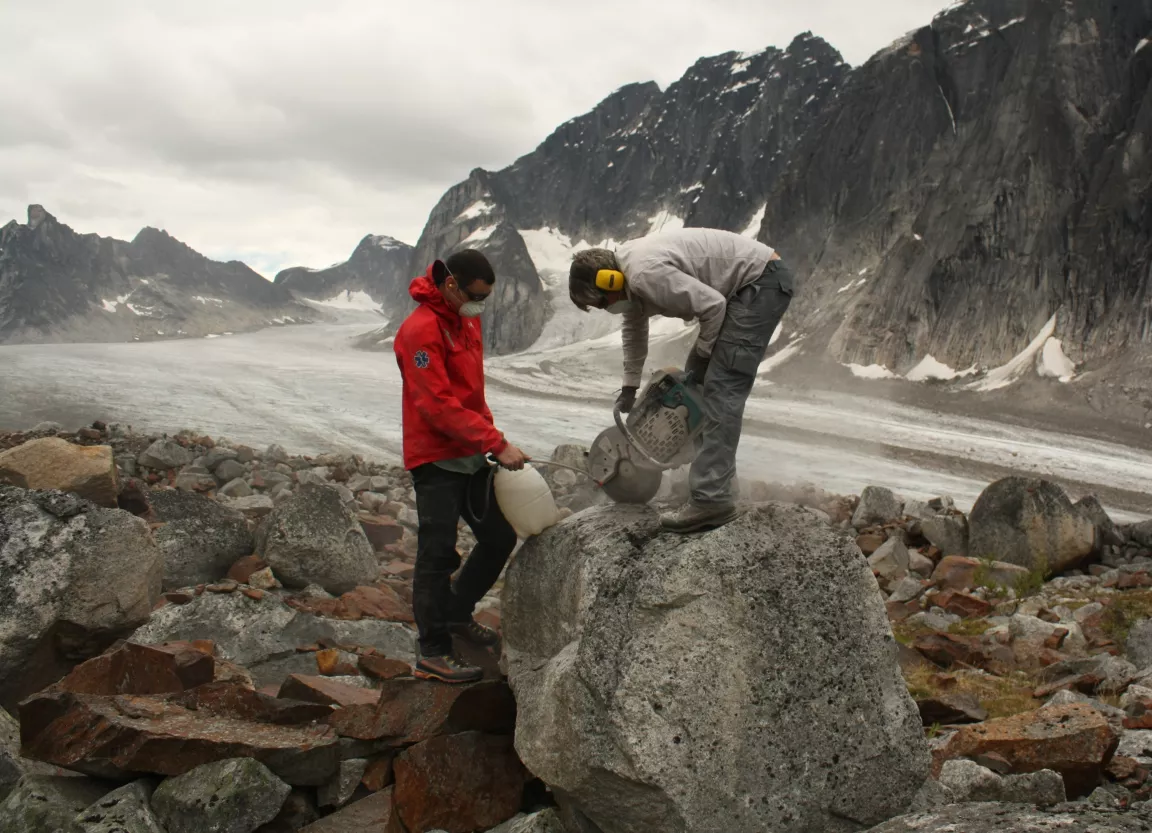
660	433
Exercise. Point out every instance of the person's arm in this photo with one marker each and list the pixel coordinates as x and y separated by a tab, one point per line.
668	291
423	365
634	338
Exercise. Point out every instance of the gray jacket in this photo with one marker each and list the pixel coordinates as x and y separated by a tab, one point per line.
688	274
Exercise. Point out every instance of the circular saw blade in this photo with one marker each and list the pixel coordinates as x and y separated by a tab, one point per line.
611	465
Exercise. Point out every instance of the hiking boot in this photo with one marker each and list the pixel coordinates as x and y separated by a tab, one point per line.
446	669
695	517
475	633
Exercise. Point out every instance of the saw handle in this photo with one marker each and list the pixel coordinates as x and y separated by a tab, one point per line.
634	443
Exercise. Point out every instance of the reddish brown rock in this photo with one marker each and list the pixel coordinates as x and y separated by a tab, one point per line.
379	773
946	650
1121	767
380	531
228	699
411	710
382	668
961	604
899	611
243	569
956	572
489	618
460	783
869	542
331	662
951	708
1084	683
122	736
142	669
53	463
1074	740
378	602
369	815
1128	581
328	692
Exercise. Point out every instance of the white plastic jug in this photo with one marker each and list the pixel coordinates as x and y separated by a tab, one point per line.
525	500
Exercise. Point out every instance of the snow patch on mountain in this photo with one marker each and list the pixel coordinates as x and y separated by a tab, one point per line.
870	371
931	368
753	227
1018	365
1052	363
349	299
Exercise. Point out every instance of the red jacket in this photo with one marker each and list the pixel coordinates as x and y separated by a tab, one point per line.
441	359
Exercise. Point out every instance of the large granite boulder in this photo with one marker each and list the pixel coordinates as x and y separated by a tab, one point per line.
200	538
74	577
1032	523
745	679
313	538
994	817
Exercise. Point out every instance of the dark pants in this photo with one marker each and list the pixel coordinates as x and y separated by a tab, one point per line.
750	320
442	498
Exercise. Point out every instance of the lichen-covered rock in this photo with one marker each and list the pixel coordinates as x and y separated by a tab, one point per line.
313	538
1031	523
233	796
993	817
48	803
164	455
686	683
125	810
877	505
73	578
200	538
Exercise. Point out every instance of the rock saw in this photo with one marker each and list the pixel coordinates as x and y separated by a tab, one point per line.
627	460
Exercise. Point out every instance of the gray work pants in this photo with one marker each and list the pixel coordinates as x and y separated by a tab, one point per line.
749	322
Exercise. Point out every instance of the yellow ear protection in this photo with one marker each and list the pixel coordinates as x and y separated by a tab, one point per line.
610	280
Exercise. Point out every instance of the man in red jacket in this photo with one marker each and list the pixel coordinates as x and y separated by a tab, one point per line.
448	431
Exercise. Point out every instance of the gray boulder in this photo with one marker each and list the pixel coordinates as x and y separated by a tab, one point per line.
877	505
228	470
1138	648
236	488
73	578
1106	529
1031	523
949	533
164	455
201	539
48	803
126	810
218	455
313	538
678	683
993	817
263	635
1141	533
890	561
233	796
968	781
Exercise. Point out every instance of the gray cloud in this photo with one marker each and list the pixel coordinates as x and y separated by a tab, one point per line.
282	131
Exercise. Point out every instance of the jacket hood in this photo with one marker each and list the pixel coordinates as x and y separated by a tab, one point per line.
424	291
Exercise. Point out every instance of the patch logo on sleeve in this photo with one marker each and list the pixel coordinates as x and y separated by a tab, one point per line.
421	359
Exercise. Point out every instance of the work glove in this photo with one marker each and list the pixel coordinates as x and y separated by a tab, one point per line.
627	398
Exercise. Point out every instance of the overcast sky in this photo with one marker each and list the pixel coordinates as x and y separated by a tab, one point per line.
280	132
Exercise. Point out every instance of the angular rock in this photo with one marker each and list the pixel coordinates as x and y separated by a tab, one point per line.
218	455
338	791
1031	523
961	604
164	455
229	470
628	709
236	488
1108	533
949	533
920	564
200	538
231	796
52	463
48	803
1074	740
545	821
11	764
73	578
326	691
907	589
469	781
233	699
379	530
252	507
968	781
263	636
946	650
369	815
951	708
992	817
245	567
115	736
878	505
142	669
377	602
125	810
410	711
1138	647
312	538
890	561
